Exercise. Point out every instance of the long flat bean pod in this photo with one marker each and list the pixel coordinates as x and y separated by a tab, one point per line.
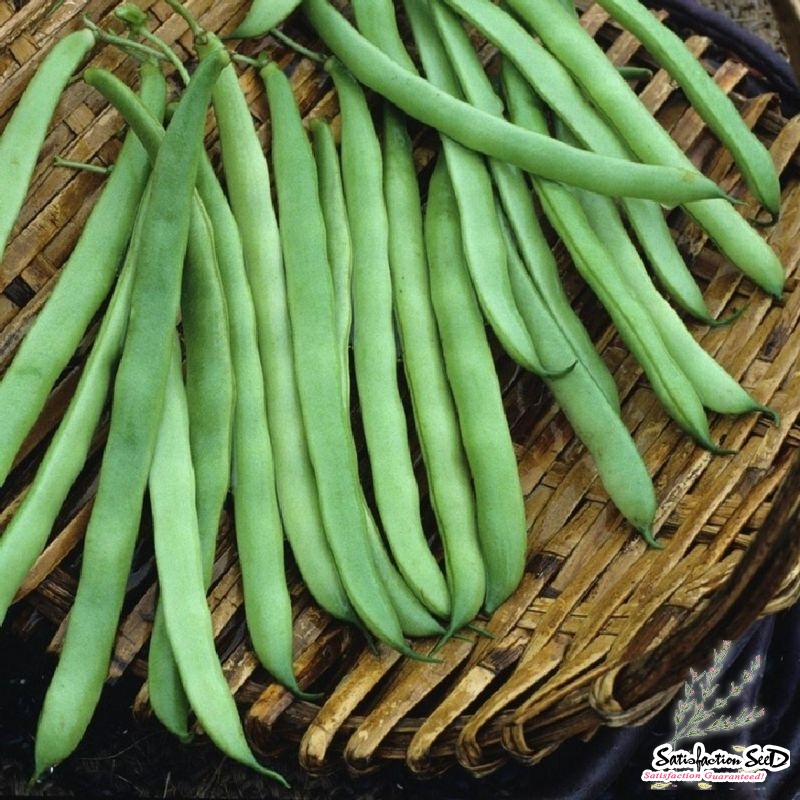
538	154
330	441
83	284
709	101
293	489
340	246
449	481
210	397
554	84
26	535
473	380
375	354
596	422
415	619
563	34
24	134
181	578
591	258
135	413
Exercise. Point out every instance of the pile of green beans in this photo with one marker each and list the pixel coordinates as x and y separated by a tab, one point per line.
264	317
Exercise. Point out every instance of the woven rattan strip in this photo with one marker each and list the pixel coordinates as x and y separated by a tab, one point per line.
601	629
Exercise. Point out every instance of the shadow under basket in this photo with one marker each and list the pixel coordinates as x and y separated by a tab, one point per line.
602	630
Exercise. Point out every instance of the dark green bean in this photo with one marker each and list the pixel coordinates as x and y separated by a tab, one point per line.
135	413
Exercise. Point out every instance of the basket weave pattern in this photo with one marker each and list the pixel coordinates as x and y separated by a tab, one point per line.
602	629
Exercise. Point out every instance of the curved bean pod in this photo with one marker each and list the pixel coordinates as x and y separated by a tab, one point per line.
247	176
554	84
711	103
210	397
563	34
592	259
138	396
84	282
319	381
477	130
716	388
26	535
374	351
596	422
483	241
25	132
449	482
502	528
415	619
181	578
515	196
262	16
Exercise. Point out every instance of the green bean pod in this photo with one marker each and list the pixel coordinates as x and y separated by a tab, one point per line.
493	136
516	198
83	283
25	132
712	104
596	422
210	396
483	241
449	481
555	86
26	535
377	21
591	257
292	491
135	413
27	532
415	619
716	388
317	368
339	240
262	16
374	351
502	529
563	34
252	456
182	579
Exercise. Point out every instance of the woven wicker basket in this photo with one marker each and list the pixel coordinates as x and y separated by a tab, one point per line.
602	629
